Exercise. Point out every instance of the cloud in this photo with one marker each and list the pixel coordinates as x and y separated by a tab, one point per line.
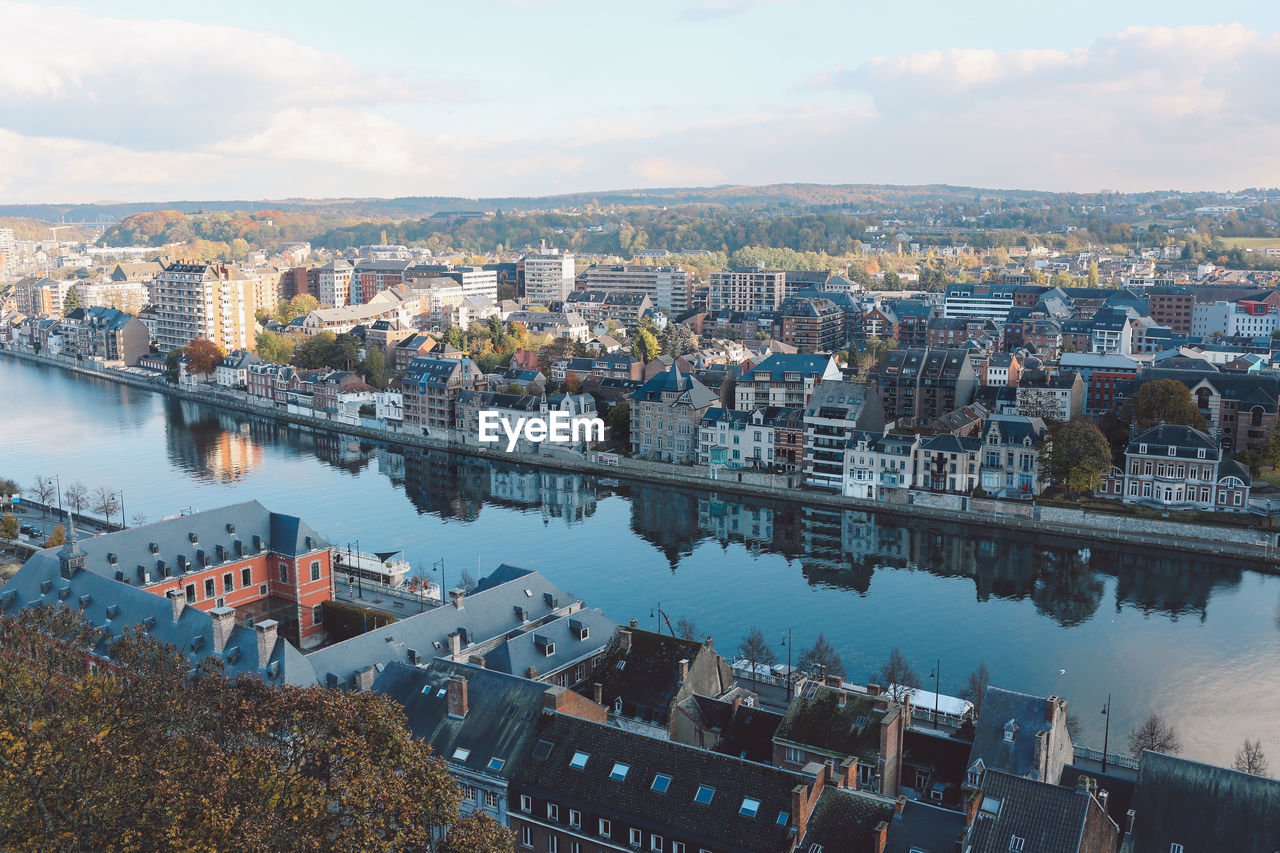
159	84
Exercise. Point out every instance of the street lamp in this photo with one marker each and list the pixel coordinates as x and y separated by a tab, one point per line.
439	565
661	615
123	522
1106	733
936	675
59	481
786	641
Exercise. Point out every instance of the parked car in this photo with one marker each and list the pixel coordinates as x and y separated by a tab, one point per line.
28	530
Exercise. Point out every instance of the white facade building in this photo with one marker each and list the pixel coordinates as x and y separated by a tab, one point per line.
548	275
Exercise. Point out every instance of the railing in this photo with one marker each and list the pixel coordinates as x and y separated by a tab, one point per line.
1112	757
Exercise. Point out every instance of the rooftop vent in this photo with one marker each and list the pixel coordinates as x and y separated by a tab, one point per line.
231	528
155	548
193	537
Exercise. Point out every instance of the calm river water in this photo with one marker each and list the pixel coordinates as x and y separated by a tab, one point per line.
1198	640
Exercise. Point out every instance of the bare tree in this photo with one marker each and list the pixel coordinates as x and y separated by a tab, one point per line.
686	628
755	650
105	503
898	677
76	496
822	659
467	581
43	490
139	519
1156	735
1249	758
976	688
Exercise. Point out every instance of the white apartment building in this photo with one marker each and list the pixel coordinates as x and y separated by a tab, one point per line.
668	288
8	254
984	300
1234	319
211	301
735	439
746	290
128	296
472	280
548	275
333	283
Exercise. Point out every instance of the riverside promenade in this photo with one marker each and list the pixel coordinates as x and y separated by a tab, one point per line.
1080	526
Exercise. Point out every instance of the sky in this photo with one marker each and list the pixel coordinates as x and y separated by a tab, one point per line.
140	100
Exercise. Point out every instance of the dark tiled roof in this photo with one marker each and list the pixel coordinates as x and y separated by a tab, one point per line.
501	711
819	721
844	821
551	645
647	678
1049	818
1203	807
744	730
673	813
925	828
999	707
773	368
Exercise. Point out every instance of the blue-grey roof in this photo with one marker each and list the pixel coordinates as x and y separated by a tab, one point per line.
1047	818
500	718
1000	708
551	645
488	612
777	365
924	827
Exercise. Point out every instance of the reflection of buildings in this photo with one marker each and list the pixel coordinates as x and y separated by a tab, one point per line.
391	464
445	484
736	522
559	494
667	518
342	451
213	446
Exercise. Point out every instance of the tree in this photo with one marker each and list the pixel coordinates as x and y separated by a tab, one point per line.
454	337
8	488
203	356
467	581
138	519
173	364
645	346
686	628
72	301
619	421
43	491
105	503
478	833
891	281
976	688
175	757
1250	758
496	330
8	526
897	676
1165	401
1093	273
1079	454
1156	735
755	650
76	496
822	658
375	368
299	306
274	348
57	537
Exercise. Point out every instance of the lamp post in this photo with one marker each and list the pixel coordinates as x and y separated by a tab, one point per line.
123	522
439	565
1106	733
937	678
786	641
661	616
58	479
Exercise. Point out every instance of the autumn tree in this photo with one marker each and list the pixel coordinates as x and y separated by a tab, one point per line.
1165	401
299	306
645	347
478	833
158	755
57	537
975	689
1156	735
203	356
8	526
756	651
1079	455
1250	758
897	677
274	348
822	658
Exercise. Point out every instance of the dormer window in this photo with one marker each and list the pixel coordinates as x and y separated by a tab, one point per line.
579	760
1200	453
1142	448
1173	451
1010	728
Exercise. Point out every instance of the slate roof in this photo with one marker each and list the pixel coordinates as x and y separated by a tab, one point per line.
672	380
843	821
1186	440
487	612
568	638
1028	715
1014	429
716	414
949	443
818	720
1049	818
501	711
1203	807
925	828
647	678
744	730
545	769
773	368
116	607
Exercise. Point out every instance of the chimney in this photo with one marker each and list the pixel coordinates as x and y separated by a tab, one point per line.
848	777
971	808
456	597
874	690
1128	821
597	692
635	624
266	640
900	804
364	679
455	644
707	642
880	836
1103	797
531	673
832	681
684	670
799	810
224	621
457	688
178	599
624	638
1049	708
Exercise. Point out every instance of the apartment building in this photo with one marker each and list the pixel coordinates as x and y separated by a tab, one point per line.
918	385
668	288
333	283
431	385
746	290
473	280
812	324
836	411
1178	467
988	300
783	379
211	301
547	274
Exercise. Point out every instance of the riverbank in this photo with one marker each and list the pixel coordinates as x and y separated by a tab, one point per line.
1077	525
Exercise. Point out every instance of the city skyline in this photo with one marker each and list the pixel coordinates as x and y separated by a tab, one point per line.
534	97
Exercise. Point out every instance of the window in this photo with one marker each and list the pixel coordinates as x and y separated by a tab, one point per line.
553	844
1175	848
262	589
315	570
317	615
284	572
553	811
461	754
490	799
991	806
655	843
704	795
783	817
209	591
660	783
1015	844
677	847
469	793
526	836
575	818
496	763
246	576
579	760
526	803
637	837
795	756
750	806
191	593
619	771
228	582
606	829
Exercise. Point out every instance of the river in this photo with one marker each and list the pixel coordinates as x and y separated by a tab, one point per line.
1194	638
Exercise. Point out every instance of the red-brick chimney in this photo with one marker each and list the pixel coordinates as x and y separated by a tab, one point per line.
457	693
